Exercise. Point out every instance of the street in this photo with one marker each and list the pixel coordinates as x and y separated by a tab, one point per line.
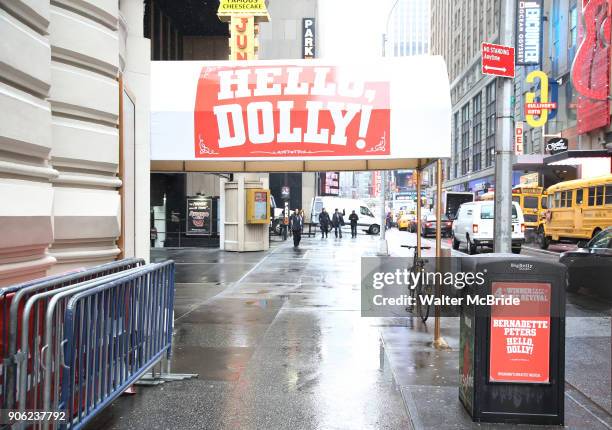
278	342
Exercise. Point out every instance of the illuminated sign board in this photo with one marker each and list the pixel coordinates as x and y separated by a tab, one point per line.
529	32
308	38
228	8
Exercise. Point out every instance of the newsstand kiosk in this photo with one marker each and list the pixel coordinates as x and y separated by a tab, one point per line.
512	357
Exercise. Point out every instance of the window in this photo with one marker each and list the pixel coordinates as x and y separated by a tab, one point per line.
465	139
476	132
608	195
579	199
516	199
603	239
596	196
544	203
530	202
456	145
599	196
490	124
365	211
557	199
573	26
487	212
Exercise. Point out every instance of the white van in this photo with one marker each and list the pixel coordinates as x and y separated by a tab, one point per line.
473	226
367	218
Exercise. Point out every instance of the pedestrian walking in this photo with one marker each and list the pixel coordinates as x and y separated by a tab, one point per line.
324	223
353	218
337	223
297	224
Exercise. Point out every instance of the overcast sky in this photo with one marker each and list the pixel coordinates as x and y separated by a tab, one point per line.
351	28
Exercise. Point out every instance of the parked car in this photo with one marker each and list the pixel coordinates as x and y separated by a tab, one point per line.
366	217
591	267
429	226
474	226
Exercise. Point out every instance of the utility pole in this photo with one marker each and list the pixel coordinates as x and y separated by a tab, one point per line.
504	150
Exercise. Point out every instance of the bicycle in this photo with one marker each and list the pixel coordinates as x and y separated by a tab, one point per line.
418	290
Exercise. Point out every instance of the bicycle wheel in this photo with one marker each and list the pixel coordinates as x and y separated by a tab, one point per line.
423	307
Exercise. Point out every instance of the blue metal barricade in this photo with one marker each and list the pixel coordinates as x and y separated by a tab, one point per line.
13	300
43	350
115	333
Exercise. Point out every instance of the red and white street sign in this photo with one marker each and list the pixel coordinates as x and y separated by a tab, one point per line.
497	60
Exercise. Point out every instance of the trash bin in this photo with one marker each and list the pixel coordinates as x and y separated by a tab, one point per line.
512	358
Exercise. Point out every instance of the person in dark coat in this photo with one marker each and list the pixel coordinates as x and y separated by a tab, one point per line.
324	223
337	223
353	218
297	224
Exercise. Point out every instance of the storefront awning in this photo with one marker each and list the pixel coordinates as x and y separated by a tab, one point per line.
299	115
593	163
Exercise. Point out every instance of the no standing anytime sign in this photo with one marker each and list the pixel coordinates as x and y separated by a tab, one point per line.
497	60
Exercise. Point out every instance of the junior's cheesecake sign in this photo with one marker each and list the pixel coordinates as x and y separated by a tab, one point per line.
288	111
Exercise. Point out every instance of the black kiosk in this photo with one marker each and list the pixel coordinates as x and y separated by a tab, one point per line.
512	357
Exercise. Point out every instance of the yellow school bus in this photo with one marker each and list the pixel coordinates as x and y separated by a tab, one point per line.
577	210
532	200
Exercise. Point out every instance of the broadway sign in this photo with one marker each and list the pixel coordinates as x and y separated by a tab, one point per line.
300	109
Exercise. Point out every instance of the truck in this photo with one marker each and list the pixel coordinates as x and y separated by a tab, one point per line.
451	200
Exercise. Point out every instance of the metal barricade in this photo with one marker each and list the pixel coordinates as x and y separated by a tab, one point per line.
114	333
6	296
14	299
30	381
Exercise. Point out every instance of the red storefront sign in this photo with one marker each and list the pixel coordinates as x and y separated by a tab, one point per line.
285	111
497	60
520	335
590	72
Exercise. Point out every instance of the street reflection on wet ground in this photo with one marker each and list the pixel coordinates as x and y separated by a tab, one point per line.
278	342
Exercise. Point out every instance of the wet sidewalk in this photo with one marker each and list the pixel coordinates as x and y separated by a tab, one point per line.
278	342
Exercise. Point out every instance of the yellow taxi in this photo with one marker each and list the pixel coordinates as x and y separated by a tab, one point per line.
403	222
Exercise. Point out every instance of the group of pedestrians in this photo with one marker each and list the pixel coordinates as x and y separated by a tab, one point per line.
336	222
326	223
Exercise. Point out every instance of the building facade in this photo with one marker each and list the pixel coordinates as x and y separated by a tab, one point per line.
74	135
408	32
458	29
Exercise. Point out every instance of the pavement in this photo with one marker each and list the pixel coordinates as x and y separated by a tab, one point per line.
278	342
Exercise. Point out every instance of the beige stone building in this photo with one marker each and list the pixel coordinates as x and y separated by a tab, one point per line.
74	135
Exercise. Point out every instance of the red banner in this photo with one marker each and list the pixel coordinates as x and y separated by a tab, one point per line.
288	111
590	71
520	335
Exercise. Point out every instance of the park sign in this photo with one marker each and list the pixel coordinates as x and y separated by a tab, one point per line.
398	108
497	60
